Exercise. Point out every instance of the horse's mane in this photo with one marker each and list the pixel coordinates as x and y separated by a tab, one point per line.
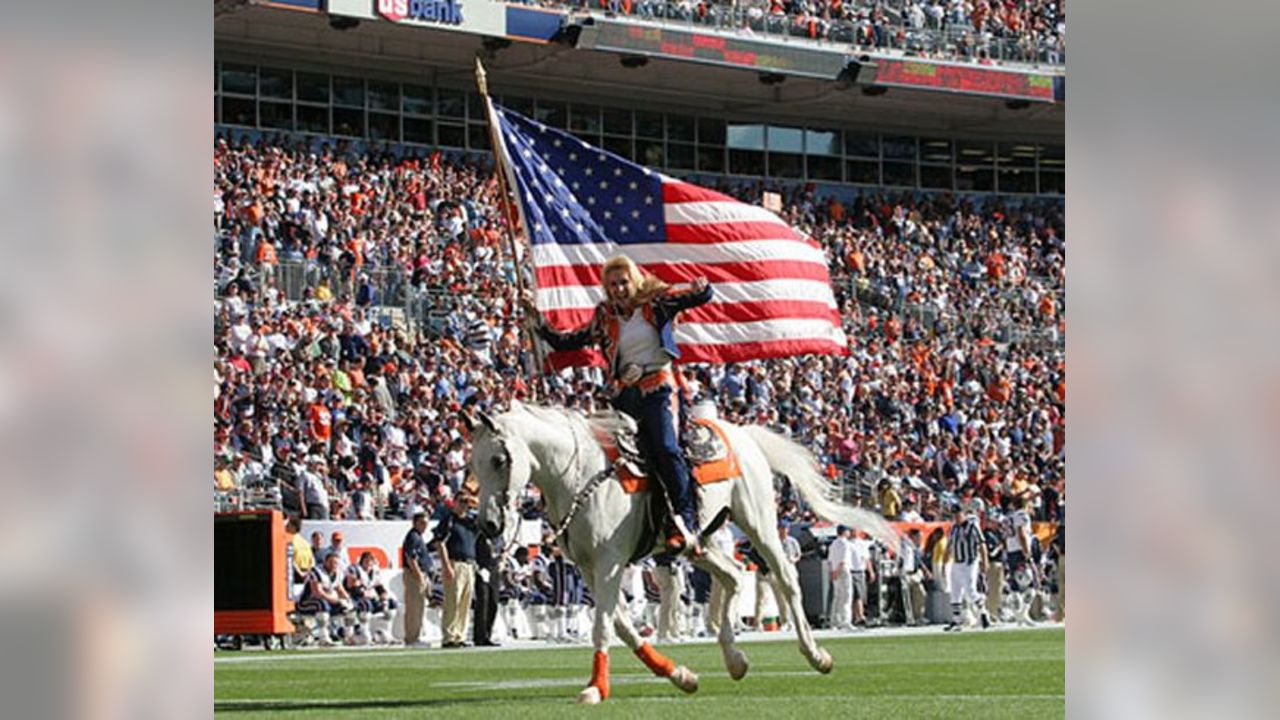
609	422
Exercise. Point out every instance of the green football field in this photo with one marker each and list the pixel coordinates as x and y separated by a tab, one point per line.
996	674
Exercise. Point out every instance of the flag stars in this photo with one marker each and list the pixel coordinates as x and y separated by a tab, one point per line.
591	200
588	171
617	172
623	229
635	214
608	215
653	228
633	185
617	200
648	199
604	184
557	143
573	156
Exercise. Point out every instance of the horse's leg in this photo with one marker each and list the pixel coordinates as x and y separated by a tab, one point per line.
606	586
722	569
755	513
662	666
786	585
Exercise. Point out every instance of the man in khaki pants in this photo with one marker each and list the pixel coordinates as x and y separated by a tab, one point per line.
995	568
417	580
455	539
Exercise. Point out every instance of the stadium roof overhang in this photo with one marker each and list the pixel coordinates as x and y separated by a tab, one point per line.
428	54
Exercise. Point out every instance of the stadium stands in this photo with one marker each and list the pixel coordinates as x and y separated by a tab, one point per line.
362	299
984	31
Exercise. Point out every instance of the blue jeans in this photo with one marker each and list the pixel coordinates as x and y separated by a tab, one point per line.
657	413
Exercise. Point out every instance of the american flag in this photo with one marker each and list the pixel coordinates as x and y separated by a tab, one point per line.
581	205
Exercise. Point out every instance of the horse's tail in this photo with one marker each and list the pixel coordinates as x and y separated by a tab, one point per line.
798	464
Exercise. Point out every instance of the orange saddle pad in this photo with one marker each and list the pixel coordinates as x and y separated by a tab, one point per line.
722	466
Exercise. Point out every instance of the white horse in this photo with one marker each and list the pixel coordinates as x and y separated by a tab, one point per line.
556	450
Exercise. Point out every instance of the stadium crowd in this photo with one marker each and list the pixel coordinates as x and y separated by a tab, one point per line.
952	394
1027	31
953	388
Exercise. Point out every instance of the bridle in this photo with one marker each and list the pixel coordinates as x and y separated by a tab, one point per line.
587	489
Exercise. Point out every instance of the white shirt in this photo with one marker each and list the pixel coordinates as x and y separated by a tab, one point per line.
313	490
839	555
343	561
907	554
363	578
859	554
1016	524
638	342
240	334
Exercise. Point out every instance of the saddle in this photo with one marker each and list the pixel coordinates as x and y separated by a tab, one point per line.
707	450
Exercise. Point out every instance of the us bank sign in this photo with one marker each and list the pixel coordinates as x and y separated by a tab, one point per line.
445	12
477	17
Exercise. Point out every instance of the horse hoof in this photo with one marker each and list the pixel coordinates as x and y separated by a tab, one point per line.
590	696
685	679
824	662
736	662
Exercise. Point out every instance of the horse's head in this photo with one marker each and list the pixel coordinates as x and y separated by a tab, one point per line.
503	465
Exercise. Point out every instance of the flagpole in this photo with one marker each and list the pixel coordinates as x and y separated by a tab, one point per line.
505	183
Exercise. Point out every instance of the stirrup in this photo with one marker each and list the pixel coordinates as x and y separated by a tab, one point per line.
680	540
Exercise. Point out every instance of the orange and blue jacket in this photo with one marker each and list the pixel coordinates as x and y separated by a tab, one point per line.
605	326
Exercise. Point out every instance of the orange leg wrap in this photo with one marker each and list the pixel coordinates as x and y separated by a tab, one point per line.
660	664
600	674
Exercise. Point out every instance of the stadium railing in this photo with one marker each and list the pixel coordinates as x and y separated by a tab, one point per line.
423	308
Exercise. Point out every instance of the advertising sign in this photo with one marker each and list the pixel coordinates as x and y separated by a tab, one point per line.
482	17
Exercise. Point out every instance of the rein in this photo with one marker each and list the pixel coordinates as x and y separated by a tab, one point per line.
578	499
581	496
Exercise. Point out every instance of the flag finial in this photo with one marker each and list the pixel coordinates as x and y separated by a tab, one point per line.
480	77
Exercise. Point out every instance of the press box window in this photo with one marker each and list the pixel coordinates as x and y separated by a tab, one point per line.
275	83
348	122
383	96
275	115
313	118
349	92
242	79
418	130
384	127
416	100
313	87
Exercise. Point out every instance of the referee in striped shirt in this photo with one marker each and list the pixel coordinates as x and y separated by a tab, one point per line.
967	553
